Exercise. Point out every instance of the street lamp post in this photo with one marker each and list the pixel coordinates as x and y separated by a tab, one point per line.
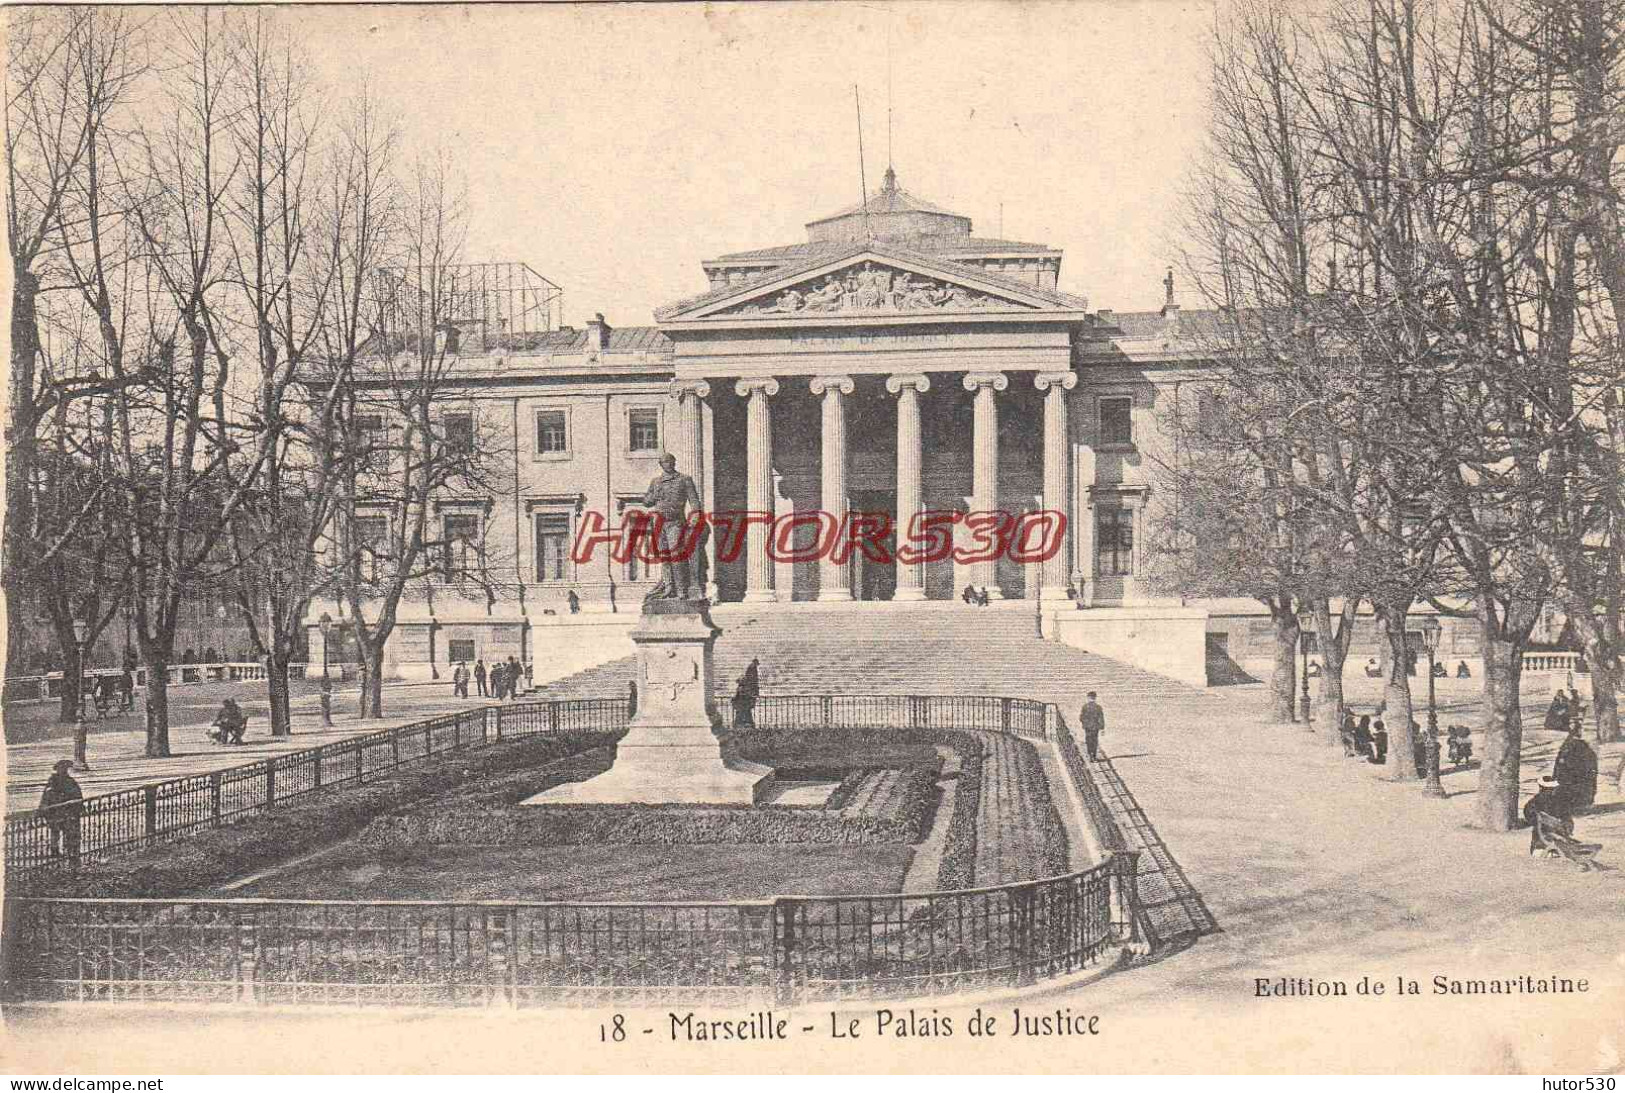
1430	639
1305	636
81	632
327	680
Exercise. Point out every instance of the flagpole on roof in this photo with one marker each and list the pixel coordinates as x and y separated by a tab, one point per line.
863	176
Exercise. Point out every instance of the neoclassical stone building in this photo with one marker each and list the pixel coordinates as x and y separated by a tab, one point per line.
893	362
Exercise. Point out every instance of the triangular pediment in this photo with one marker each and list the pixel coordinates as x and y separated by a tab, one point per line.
870	283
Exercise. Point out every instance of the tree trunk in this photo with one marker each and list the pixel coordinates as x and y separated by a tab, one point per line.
372	679
1330	712
1284	676
73	675
1397	695
1604	689
276	690
374	696
1503	735
1334	655
157	710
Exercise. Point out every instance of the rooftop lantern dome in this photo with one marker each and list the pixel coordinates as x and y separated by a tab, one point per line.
893	213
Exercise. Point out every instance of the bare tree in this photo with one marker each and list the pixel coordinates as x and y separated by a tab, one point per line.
420	468
67	71
286	247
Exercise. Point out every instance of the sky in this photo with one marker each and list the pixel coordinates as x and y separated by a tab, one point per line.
613	147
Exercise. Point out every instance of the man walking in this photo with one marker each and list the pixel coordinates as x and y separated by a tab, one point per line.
62	805
479	676
1092	719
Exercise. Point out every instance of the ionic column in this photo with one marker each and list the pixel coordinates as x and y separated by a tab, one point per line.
985	463
908	388
834	579
690	446
1057	474
758	482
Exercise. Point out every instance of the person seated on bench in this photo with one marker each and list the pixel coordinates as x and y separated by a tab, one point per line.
1362	737
1557	714
1553	802
1440	672
229	723
1461	744
1346	731
1372	668
103	695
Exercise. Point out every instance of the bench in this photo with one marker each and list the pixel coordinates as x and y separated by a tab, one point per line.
1554	834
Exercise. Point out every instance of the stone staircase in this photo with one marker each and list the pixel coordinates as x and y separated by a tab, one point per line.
887	648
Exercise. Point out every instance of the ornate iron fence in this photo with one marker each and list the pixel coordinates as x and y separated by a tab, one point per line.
137	818
133	819
788	950
1022	716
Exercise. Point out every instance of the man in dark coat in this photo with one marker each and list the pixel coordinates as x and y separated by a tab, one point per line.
62	805
1092	720
479	676
511	678
1575	771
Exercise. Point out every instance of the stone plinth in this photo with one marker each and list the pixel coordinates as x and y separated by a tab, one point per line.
672	753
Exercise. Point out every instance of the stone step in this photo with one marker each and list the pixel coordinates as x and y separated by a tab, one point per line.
945	649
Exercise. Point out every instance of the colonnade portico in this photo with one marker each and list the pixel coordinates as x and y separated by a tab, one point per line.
818	470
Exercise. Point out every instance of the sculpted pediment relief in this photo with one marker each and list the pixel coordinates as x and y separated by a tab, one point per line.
870	288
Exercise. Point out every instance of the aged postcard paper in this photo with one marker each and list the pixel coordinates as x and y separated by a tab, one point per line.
749	538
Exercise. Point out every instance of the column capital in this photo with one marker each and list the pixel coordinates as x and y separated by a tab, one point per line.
679	389
821	384
1064	380
767	385
919	381
974	381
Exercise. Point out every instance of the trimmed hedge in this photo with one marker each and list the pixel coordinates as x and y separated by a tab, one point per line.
958	868
204	861
1041	814
401	836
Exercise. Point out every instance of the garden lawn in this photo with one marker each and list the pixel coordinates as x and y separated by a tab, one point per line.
632	872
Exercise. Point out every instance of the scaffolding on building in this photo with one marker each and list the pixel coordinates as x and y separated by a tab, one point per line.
472	308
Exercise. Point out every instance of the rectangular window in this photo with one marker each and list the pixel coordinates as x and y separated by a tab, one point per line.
370	539
552	432
459	430
460	650
552	547
1114	541
1117	422
461	531
643	430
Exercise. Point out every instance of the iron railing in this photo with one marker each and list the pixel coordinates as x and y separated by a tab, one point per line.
1021	716
787	950
133	819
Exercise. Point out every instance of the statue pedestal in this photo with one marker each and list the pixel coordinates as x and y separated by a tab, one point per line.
671	754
